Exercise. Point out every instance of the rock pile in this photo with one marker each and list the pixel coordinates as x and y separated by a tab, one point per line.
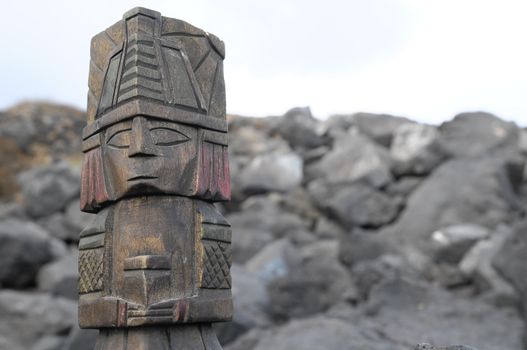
359	232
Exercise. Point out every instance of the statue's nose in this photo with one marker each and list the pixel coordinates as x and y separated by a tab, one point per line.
141	144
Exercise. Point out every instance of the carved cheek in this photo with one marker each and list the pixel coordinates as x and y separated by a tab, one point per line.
177	163
117	169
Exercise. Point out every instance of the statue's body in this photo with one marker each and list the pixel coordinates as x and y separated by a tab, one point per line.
158	252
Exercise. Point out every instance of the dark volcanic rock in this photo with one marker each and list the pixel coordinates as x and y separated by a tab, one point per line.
275	260
76	220
256	212
53	126
315	333
425	346
26	317
251	304
357	204
279	172
60	277
49	189
404	186
452	242
300	129
24	248
34	133
308	288
81	339
361	232
416	149
478	265
353	157
460	191
251	140
49	342
57	226
248	243
472	134
407	312
379	127
360	246
510	261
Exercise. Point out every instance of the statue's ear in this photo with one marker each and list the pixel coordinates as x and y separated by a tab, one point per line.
93	184
214	182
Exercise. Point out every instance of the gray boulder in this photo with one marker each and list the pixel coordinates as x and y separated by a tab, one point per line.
67	226
369	273
315	333
321	249
11	210
476	190
308	288
510	260
51	127
252	140
81	339
300	129
353	157
379	127
49	188
57	226
361	245
325	228
60	277
27	317
248	242
477	133
425	346
24	248
279	172
415	149
49	342
251	303
257	211
407	311
403	186
76	220
452	242
357	204
274	261
477	264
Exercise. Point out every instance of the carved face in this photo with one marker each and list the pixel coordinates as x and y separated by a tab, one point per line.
143	155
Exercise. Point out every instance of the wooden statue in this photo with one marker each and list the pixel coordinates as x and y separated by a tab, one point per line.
155	264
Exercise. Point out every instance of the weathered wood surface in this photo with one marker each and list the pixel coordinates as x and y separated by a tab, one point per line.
155	263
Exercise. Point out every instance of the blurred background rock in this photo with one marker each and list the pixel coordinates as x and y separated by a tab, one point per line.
358	232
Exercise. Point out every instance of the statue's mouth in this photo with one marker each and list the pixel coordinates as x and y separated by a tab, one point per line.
142	177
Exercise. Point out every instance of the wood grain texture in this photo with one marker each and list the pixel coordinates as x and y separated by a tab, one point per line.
155	264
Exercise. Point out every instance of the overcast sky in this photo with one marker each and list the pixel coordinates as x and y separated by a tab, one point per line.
424	59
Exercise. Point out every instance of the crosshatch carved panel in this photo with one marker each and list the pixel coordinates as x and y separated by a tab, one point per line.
216	265
90	270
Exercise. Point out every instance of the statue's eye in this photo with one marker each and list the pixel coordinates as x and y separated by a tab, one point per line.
167	137
120	139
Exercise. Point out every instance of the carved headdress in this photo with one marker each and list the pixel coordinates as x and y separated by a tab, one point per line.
161	69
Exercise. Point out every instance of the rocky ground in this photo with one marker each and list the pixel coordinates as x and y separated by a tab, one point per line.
362	232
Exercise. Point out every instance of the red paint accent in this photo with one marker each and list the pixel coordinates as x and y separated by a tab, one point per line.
185	310
122	309
93	187
214	176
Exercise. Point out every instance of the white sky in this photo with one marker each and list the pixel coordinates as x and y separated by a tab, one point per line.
424	59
